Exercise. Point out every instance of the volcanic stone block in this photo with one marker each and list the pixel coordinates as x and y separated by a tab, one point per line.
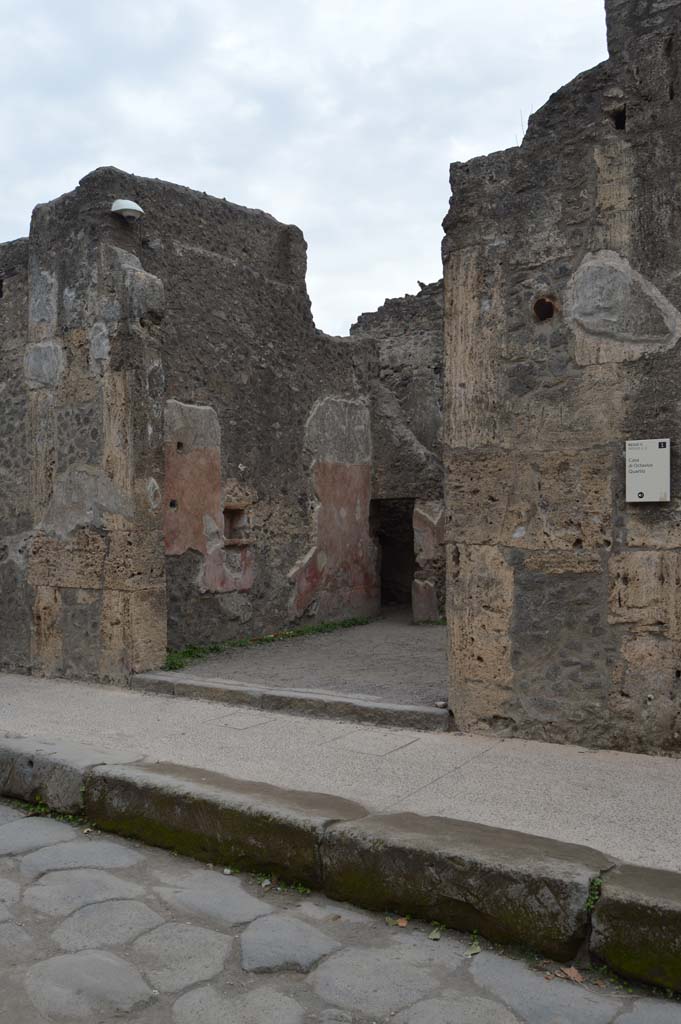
637	925
508	886
215	818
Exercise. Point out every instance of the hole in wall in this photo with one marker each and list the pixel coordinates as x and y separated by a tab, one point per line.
544	309
172	503
236	522
180	446
619	119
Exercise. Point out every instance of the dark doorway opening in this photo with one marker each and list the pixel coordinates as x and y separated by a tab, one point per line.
392	525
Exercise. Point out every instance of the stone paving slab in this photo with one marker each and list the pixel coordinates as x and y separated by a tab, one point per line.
181	965
283	943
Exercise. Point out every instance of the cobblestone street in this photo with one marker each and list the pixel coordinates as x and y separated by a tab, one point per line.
96	928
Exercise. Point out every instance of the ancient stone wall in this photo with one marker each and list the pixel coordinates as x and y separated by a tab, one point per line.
405	345
84	539
15	514
562	309
249	502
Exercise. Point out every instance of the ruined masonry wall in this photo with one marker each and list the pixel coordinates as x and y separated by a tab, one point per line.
563	328
251	504
405	347
86	542
15	513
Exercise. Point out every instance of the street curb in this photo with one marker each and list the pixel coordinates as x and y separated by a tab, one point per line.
555	898
215	818
313	703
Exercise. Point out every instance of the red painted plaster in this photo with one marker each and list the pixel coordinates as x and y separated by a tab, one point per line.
341	571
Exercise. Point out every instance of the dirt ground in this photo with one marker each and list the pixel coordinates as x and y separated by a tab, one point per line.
389	659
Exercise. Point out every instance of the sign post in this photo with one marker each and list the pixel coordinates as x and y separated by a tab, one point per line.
648	470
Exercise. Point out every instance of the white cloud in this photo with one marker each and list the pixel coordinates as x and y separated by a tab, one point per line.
339	115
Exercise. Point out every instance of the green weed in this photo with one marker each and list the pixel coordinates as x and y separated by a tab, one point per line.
176	660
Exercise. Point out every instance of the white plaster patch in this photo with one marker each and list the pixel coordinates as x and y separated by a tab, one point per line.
153	494
338	430
82	496
100	348
43	364
193	426
43	298
617	314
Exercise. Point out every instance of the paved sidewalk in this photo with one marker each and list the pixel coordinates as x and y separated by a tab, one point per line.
389	659
96	928
626	805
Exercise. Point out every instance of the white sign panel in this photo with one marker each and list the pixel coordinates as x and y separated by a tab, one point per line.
648	470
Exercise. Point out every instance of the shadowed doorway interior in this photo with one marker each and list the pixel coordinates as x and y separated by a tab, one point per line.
392	525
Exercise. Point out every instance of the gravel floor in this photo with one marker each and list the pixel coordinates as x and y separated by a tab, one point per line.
390	659
94	928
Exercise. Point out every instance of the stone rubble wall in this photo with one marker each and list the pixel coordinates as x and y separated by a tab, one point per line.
188	459
405	343
93	372
562	330
15	509
246	512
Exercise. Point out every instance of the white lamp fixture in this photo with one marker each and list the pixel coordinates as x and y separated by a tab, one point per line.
127	209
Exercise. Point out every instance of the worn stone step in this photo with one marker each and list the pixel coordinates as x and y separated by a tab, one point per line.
317	703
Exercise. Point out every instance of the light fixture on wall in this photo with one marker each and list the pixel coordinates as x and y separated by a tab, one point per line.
127	209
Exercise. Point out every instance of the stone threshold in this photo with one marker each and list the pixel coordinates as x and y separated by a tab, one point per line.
559	899
315	703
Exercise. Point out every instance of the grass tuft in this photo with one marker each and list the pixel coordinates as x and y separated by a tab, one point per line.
176	660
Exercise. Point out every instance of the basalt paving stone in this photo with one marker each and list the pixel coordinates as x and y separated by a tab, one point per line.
262	1006
652	1011
81	853
9	814
9	892
223	900
373	982
177	955
16	944
537	1000
453	1008
105	924
329	910
335	1016
89	986
282	943
15	1004
27	834
377	966
62	892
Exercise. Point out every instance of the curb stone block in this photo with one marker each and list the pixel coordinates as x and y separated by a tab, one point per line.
53	771
215	818
636	925
510	887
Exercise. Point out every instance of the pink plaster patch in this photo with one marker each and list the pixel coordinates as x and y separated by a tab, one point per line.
192	491
341	571
220	578
194	520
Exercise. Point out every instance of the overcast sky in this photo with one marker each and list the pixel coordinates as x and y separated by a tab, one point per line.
341	116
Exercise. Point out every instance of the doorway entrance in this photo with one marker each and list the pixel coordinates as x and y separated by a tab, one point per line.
392	525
